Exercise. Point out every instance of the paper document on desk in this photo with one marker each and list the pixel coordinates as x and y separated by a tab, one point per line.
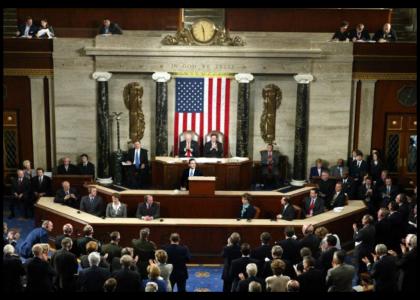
338	209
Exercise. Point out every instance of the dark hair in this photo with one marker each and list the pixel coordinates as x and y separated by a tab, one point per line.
368	178
315	190
310	261
44	19
84	154
28	18
305	251
40	169
358	152
174	237
331	240
213	134
245	249
114	235
191	159
340	255
289	231
247	197
116	195
265	237
344	23
394	205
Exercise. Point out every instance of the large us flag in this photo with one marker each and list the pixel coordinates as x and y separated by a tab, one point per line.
202	105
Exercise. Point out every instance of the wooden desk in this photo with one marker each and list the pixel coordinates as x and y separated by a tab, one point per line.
223	204
204	237
230	175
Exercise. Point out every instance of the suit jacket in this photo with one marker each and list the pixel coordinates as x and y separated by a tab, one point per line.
312	281
325	259
390	37
366	236
128	281
260	253
96	207
93	278
81	244
112	249
40	276
358	172
185	175
248	214
349	187
72	170
275	162
143	157
120	213
288	212
194	147
396	231
243	285
327	188
384	196
337	201
239	266
314	172
318	208
72	202
229	253
213	153
145	250
408	266
24	187
65	264
43	187
89	169
32	30
178	256
312	242
58	240
363	36
363	196
335	171
37	235
384	271
84	262
12	273
290	250
153	211
341	36
382	231
339	279
113	28
375	171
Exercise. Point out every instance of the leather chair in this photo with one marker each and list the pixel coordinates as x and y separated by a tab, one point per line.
220	138
257	212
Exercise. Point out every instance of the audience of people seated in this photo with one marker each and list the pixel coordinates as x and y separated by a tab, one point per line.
360	34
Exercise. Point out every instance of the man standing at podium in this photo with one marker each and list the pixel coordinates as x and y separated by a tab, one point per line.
191	171
137	159
213	148
188	147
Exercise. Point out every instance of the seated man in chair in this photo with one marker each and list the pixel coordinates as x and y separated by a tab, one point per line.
188	147
213	148
270	165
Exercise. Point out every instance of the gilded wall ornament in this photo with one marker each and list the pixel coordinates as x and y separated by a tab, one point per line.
272	99
132	94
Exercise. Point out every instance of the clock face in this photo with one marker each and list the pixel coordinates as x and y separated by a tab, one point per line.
203	30
407	95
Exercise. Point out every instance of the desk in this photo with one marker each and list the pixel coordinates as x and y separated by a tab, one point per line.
231	173
204	237
223	204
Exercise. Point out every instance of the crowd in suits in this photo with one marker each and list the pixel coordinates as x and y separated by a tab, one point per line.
361	34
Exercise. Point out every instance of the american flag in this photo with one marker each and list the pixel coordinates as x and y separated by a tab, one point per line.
202	105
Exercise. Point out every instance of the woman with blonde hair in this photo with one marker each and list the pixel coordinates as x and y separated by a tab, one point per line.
154	276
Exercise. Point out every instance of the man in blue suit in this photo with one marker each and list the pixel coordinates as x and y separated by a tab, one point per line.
36	236
28	29
247	209
317	170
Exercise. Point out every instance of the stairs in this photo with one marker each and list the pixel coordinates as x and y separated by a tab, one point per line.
402	23
9	21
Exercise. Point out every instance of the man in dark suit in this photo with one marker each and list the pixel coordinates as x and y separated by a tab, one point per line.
82	241
239	265
340	276
37	235
339	198
148	210
395	220
230	252
67	232
386	34
359	34
313	204
28	29
67	195
21	191
144	250
39	272
341	35
317	170
309	240
67	168
407	264
178	256
213	148
311	280
109	28
388	192
290	245
368	194
13	271
127	279
365	242
325	259
264	251
382	228
92	279
191	171
358	168
339	169
137	159
86	167
247	210
383	270
188	147
326	187
288	212
348	186
41	184
65	264
92	203
112	249
270	165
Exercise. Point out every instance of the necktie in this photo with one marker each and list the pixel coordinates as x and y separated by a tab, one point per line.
388	190
40	179
137	159
311	206
147	205
27	30
358	164
20	180
191	172
341	171
188	150
319	172
67	193
270	161
67	168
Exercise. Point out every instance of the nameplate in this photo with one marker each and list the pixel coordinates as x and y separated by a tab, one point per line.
202	178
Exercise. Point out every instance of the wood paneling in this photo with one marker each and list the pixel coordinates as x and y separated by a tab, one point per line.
27	53
303	19
19	99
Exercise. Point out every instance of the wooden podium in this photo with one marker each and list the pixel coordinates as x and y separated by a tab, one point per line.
202	185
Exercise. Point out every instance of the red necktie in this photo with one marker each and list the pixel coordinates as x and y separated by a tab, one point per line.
270	161
311	206
188	150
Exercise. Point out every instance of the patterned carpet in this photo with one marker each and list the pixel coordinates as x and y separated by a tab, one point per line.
201	278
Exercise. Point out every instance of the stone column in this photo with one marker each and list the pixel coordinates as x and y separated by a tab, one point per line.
102	124
367	99
242	133
161	113
301	130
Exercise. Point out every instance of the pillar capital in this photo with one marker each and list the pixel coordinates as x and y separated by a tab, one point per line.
161	76
303	78
244	77
101	76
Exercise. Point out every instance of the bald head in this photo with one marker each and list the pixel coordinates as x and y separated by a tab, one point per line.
387	27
